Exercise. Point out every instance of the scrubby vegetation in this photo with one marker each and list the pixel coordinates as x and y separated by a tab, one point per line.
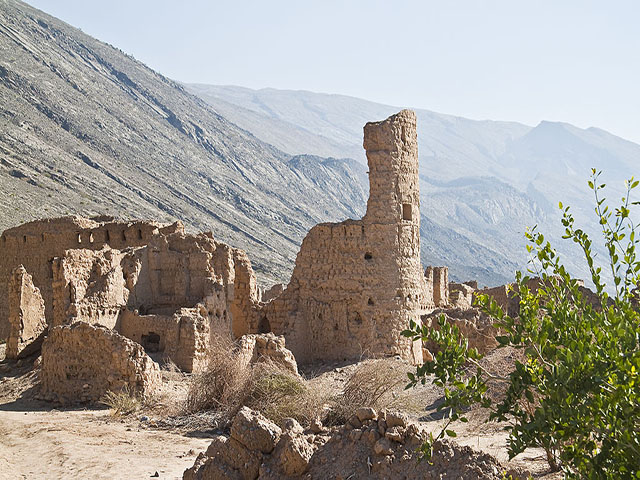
121	403
370	385
231	382
576	394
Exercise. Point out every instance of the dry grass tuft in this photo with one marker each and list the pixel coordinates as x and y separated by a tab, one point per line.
279	394
231	382
121	403
222	387
372	384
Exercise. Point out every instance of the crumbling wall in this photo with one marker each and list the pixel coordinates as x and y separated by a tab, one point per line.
437	281
273	292
164	295
89	286
26	315
81	362
245	298
357	284
474	325
461	295
182	337
259	347
503	297
36	244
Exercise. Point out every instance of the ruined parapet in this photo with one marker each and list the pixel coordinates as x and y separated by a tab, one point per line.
182	337
461	295
260	347
357	284
36	244
81	362
26	315
274	292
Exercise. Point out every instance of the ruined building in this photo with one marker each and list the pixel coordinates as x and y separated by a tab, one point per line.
358	283
355	286
152	283
35	245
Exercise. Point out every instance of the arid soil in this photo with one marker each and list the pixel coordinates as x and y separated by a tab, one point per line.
39	441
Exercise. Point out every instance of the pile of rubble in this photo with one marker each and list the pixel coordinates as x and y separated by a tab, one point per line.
375	445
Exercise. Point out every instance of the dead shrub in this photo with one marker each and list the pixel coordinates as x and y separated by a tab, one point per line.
222	386
230	382
371	385
121	403
278	394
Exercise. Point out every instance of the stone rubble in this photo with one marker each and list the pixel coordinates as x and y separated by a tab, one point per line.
382	447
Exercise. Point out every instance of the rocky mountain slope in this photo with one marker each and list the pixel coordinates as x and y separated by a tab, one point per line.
482	182
85	128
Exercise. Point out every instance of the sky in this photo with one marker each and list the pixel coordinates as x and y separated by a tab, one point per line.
576	61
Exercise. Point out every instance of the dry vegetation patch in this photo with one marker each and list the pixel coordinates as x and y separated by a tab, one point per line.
231	382
121	403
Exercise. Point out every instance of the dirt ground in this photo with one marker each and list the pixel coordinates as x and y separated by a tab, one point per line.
38	441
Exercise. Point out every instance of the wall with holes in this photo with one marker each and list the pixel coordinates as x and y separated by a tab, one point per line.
357	284
36	244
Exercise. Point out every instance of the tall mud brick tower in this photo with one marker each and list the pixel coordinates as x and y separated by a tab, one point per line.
358	283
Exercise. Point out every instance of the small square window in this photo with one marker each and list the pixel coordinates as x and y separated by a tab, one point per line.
406	211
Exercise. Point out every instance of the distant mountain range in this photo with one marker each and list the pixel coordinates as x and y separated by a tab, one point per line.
85	128
482	182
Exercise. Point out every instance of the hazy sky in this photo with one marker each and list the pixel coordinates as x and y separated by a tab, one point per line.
572	60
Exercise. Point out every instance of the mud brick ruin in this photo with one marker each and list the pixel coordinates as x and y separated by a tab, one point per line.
115	363
358	283
152	283
355	286
26	314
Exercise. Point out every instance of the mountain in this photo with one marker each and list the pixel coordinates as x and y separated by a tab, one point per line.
482	182
85	128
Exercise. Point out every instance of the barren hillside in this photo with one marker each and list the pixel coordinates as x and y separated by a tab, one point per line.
85	128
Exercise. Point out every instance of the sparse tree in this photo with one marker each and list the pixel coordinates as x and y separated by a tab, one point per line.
576	393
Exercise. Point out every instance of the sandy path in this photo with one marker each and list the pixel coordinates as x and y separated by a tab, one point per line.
88	444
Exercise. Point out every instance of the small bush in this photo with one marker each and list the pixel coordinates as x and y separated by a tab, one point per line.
371	385
231	382
121	403
223	386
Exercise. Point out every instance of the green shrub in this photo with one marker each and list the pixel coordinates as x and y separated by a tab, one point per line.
577	393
